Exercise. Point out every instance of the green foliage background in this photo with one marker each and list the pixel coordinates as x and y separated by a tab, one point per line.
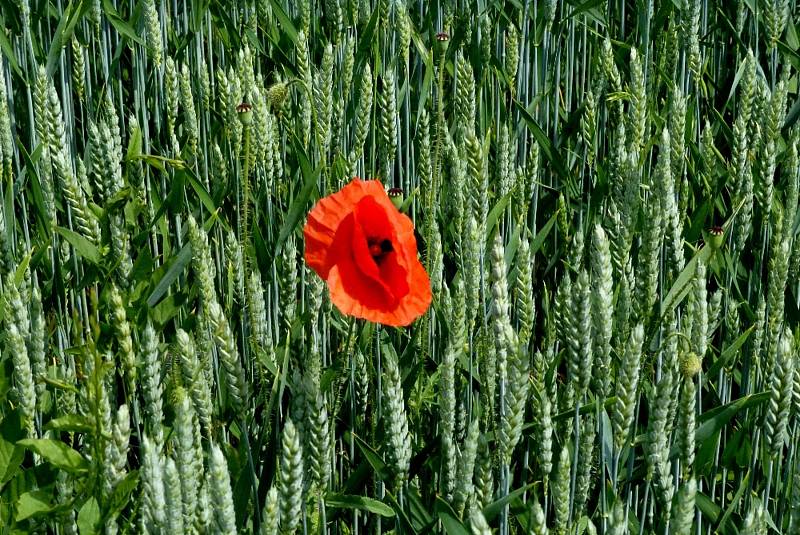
606	197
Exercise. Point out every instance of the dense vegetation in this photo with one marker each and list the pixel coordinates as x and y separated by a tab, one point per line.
606	201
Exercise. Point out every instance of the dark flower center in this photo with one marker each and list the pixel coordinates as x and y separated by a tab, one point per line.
379	248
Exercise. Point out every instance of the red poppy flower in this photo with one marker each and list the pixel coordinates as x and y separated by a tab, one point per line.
357	241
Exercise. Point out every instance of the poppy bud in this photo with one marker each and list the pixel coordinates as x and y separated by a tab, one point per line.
690	364
442	40
245	112
276	95
714	237
396	196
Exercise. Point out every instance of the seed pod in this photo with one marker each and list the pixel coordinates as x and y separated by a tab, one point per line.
245	113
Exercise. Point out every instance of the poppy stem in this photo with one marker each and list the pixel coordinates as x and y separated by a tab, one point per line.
245	178
252	466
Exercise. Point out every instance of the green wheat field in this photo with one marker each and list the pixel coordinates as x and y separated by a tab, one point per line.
605	198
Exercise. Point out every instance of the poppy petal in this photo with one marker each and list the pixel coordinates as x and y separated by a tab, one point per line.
326	216
387	284
363	260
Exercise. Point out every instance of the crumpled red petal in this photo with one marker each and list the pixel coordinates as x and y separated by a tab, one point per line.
394	291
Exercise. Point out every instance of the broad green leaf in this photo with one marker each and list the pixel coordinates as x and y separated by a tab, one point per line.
286	23
123	491
550	152
55	383
89	517
494	215
120	24
494	508
11	431
32	503
402	516
198	188
56	453
594	10
679	287
727	353
734	503
33	177
77	423
167	308
66	25
19	274
8	52
707	435
408	200
82	246
715	419
709	509
8	208
538	241
373	458
712	421
452	525
177	266
363	503
134	145
299	204
366	40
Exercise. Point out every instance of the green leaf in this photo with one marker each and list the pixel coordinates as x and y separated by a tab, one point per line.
680	286
76	423
709	509
56	453
494	215
712	421
120	24
593	8
32	503
494	508
366	39
66	25
82	246
8	52
134	145
122	492
202	194
55	383
161	162
8	208
35	183
286	23
179	263
734	503
727	353
715	419
299	204
362	503
538	241
89	517
10	457
374	459
404	520
452	525
550	152
19	274
420	516
167	308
